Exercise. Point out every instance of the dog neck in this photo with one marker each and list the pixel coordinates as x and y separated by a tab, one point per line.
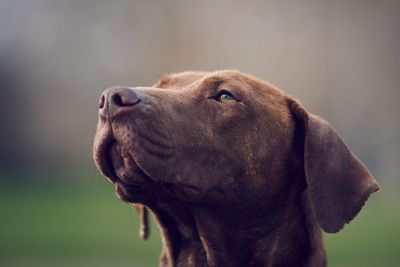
198	236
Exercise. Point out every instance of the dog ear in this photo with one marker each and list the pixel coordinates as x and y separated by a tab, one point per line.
337	182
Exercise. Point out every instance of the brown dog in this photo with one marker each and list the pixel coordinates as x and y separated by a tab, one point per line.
236	172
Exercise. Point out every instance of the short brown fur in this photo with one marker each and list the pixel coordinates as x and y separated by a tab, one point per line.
250	181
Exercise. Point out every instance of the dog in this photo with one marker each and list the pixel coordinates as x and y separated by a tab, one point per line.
236	172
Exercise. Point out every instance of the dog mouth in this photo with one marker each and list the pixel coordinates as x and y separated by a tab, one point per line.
117	164
116	161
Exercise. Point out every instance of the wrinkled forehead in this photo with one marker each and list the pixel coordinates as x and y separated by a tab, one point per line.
195	78
180	80
248	85
254	92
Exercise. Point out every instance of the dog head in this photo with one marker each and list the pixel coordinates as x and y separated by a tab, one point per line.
225	138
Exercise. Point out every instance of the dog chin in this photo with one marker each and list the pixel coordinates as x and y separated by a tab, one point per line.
122	191
125	167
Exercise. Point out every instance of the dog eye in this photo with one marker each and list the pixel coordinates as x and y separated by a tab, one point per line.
225	97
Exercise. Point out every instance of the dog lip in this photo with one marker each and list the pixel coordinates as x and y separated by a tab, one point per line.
106	165
112	176
120	190
102	156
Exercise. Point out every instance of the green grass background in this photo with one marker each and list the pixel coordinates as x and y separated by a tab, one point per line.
84	224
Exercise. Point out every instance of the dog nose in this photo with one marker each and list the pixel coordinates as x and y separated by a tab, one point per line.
116	101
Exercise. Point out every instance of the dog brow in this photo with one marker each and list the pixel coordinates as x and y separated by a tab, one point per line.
211	82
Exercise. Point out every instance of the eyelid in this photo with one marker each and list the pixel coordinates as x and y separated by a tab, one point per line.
224	91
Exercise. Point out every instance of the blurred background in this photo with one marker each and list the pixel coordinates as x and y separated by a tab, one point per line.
340	58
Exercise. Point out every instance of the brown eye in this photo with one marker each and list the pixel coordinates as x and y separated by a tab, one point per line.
225	97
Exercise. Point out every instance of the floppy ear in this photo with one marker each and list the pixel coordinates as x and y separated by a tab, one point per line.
337	182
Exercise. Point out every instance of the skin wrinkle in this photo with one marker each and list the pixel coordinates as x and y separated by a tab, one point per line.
281	229
248	183
270	258
168	132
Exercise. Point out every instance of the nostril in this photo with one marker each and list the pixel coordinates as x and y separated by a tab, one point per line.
125	97
117	99
102	102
